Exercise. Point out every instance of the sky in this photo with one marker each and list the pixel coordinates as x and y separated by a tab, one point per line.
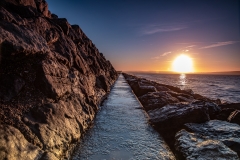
141	35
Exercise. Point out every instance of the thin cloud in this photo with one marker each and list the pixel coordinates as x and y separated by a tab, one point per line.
158	57
155	57
191	46
158	30
218	44
152	29
166	53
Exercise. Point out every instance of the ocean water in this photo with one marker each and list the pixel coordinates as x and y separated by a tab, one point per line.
224	87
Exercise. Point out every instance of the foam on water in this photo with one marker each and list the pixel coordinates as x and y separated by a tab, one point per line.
121	131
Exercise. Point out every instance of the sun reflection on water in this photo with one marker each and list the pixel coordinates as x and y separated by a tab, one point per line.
182	80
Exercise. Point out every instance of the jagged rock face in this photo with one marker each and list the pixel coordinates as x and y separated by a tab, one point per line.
14	144
211	140
52	78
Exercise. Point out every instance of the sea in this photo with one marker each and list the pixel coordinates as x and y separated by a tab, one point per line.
223	87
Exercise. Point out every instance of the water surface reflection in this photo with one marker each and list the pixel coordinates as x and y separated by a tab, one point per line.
182	81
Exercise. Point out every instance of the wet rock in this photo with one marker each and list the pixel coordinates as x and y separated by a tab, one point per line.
155	100
213	139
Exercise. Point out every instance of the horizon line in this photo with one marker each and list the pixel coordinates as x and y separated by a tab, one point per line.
212	72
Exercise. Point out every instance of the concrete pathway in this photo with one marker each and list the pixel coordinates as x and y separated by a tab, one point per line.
121	131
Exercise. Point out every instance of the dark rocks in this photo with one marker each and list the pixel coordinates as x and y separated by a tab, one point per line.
63	23
174	116
141	89
155	100
52	78
192	147
101	82
42	7
10	86
190	118
230	113
234	117
211	140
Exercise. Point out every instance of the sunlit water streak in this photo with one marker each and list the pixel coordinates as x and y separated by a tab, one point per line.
225	87
121	131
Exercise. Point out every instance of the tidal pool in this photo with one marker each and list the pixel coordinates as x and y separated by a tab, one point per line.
121	131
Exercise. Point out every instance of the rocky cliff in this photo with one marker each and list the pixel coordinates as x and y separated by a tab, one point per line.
52	78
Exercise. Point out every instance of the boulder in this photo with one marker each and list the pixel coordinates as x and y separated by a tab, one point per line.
230	112
191	146
155	100
174	116
214	139
140	89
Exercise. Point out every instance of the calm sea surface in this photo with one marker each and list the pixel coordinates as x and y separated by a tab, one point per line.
224	87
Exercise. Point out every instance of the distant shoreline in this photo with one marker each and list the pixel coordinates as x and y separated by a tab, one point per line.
197	73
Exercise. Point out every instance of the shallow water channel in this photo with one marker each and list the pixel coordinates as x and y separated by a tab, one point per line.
121	130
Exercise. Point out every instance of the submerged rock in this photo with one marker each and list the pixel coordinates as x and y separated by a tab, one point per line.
211	140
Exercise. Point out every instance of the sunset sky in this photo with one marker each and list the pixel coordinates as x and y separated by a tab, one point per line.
146	35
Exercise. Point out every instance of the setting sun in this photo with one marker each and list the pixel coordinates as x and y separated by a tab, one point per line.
182	64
